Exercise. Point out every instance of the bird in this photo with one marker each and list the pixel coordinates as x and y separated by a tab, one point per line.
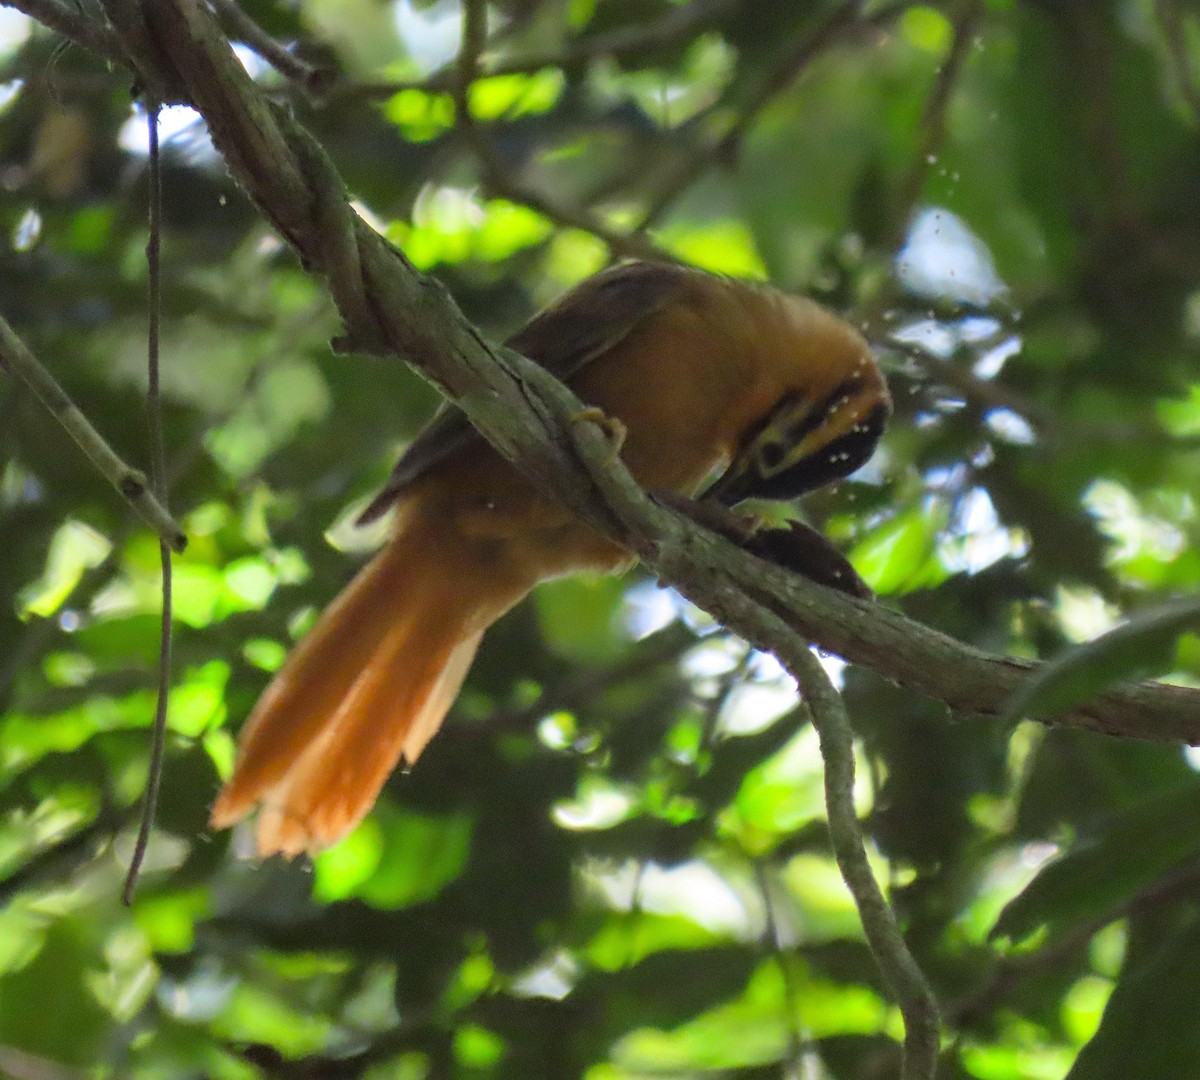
714	387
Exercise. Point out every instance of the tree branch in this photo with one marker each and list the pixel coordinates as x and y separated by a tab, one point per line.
906	980
241	26
525	412
498	177
679	24
933	118
130	482
795	61
73	23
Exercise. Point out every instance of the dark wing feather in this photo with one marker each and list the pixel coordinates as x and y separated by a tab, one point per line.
579	326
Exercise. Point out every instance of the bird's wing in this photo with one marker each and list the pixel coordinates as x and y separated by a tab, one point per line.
579	326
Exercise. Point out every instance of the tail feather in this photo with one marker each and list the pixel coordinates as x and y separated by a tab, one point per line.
393	710
369	685
320	671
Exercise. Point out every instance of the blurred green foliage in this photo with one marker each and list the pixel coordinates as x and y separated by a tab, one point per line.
613	863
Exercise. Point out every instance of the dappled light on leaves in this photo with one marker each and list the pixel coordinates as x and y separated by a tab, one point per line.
615	861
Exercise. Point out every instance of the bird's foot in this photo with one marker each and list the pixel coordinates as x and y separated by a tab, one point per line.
613	428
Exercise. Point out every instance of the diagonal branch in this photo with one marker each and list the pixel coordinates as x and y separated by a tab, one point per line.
241	26
525	412
130	482
786	71
74	24
934	119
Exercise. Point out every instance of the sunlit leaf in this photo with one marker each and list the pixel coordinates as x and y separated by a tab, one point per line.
514	95
169	919
900	555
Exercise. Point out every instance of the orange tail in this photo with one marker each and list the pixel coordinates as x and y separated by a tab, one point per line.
367	686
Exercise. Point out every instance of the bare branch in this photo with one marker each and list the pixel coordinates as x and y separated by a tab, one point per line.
240	26
130	482
158	739
907	982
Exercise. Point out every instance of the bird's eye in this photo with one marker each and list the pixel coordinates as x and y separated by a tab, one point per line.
770	456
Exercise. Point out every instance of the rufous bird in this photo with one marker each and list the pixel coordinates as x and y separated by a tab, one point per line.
706	376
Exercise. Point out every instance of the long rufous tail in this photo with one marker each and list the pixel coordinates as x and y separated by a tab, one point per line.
367	686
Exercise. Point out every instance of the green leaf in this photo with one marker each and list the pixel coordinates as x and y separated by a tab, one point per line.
901	554
629	937
395	858
420	116
725	247
1149	1026
511	96
579	616
755	1028
1143	646
1108	866
46	1008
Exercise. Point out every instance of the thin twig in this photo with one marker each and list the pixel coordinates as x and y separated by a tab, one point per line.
158	739
933	119
496	174
130	482
916	1000
241	26
789	68
623	43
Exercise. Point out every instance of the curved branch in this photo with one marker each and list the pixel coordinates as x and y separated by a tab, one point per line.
917	1003
526	413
